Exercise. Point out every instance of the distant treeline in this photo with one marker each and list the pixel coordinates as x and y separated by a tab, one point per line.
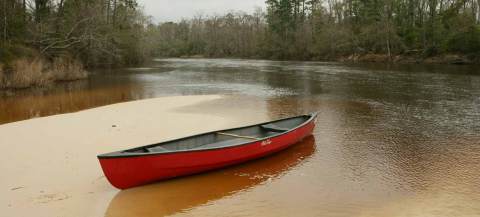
116	32
328	29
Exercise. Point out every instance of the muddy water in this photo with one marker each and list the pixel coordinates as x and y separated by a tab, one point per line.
390	141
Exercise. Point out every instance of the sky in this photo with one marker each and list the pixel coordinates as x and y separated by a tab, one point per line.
175	10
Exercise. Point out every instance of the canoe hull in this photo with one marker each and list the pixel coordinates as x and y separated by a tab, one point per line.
129	172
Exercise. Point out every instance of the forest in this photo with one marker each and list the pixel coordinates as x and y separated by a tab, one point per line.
45	40
329	30
48	40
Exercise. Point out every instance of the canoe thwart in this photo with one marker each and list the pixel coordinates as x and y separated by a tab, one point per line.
238	136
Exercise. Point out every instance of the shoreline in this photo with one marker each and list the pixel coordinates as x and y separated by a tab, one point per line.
445	59
39	73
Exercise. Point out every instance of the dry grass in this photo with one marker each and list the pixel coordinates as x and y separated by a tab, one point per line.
27	73
67	69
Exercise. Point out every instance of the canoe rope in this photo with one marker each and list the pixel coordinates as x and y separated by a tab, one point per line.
239	136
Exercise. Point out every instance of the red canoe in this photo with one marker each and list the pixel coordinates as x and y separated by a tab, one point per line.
194	154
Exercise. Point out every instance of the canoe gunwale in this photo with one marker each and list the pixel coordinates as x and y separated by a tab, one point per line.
123	154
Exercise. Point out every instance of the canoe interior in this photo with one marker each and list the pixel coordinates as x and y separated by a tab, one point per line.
224	138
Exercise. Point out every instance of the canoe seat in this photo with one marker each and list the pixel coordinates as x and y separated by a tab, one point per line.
274	128
226	143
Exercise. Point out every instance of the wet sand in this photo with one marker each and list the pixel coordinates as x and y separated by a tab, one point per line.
50	168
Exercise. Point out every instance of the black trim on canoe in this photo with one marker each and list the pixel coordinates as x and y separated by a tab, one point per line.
129	152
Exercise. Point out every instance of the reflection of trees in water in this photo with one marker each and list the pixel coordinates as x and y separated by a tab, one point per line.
300	78
290	106
63	98
286	78
176	195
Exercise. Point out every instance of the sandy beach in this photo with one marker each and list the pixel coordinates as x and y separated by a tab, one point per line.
51	167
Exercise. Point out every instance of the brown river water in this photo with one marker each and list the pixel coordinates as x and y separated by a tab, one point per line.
389	141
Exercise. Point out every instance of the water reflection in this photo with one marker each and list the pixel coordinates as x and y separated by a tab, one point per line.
417	88
177	195
64	98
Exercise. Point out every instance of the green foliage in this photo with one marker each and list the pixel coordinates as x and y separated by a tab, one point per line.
389	27
464	35
116	32
10	52
467	41
98	32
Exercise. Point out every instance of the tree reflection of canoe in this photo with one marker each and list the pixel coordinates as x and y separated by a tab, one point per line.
172	196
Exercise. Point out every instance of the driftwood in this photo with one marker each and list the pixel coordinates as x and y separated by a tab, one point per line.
51	42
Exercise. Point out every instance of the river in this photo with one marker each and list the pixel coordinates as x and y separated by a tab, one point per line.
400	140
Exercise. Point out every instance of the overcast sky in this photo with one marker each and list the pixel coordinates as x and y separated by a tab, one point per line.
174	10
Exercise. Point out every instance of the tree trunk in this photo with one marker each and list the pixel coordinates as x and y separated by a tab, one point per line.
478	11
24	4
432	6
389	53
5	22
387	17
108	12
410	15
114	16
59	16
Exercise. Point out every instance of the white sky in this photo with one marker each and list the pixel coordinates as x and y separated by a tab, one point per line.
175	10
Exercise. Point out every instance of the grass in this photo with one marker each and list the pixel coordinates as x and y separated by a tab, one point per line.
30	72
26	73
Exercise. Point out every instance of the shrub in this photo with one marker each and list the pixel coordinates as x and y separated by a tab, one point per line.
67	69
466	41
9	53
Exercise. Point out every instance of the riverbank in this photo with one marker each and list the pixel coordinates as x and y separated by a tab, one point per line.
457	59
449	59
